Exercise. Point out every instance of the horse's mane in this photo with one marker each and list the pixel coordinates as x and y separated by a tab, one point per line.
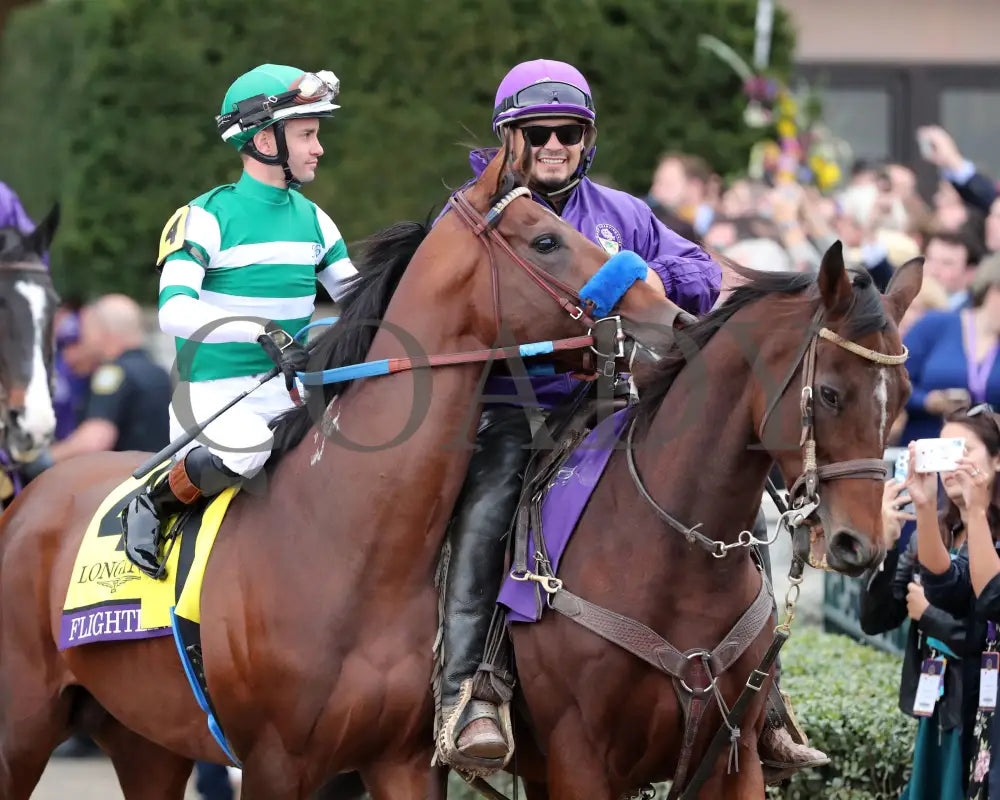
382	258
865	315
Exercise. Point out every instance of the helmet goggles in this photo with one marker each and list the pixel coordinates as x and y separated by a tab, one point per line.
545	93
311	89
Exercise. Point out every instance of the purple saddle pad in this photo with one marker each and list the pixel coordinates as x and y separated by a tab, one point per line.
564	502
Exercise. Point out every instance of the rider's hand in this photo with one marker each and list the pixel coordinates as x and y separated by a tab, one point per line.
287	354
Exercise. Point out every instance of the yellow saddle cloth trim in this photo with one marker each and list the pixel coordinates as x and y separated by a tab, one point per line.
110	599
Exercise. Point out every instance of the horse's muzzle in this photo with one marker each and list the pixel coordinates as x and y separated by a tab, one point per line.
849	553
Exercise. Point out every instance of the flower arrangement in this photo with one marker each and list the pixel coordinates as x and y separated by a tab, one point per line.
801	149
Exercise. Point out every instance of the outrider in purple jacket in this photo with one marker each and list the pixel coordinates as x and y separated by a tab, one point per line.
618	221
12	214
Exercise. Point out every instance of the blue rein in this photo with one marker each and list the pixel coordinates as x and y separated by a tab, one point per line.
603	291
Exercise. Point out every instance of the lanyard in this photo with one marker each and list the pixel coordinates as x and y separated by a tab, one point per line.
978	373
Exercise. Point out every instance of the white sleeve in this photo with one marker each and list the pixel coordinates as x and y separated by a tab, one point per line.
335	266
336	276
183	316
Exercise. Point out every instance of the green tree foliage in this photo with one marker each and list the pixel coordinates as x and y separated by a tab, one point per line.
110	104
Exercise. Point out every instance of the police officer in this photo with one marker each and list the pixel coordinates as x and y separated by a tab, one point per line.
129	393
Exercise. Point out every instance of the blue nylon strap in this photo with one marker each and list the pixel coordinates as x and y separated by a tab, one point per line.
372	368
611	282
317	323
213	724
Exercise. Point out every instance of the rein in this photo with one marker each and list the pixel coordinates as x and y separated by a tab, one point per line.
611	342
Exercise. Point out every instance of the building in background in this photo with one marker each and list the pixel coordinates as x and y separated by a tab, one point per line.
885	67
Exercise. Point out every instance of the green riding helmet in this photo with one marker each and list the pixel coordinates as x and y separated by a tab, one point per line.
269	95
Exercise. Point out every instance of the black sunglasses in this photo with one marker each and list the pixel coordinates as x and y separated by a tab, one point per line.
539	135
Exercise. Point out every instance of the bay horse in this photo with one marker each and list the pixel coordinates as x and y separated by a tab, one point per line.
27	307
319	611
785	353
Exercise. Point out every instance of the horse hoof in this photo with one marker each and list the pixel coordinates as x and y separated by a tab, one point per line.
481	738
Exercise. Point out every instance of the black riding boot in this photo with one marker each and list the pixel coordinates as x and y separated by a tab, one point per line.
483	514
199	473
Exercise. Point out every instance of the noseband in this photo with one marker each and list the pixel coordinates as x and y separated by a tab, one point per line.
804	493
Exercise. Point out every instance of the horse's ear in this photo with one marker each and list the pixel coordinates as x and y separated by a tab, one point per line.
41	238
904	286
834	282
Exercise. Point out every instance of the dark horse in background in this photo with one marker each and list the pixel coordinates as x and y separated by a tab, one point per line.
27	307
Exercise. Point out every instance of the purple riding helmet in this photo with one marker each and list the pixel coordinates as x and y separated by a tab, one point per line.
545	88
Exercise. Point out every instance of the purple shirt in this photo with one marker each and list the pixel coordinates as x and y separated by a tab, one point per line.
618	221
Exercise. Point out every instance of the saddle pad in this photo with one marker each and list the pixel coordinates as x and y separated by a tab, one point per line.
565	499
110	600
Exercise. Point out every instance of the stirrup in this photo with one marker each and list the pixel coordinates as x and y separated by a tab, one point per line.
446	747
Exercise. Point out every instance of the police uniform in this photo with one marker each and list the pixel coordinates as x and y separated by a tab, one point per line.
132	393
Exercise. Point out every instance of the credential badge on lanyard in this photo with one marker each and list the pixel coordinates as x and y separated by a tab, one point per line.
930	687
988	669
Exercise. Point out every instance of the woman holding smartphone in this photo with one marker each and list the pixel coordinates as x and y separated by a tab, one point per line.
968	585
892	593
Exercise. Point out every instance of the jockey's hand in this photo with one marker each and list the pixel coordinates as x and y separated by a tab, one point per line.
287	354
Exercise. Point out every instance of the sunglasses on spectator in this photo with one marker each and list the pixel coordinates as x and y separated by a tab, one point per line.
985	408
539	135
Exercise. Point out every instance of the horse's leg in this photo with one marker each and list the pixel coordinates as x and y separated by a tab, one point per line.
536	790
575	768
145	770
32	722
344	787
746	784
407	780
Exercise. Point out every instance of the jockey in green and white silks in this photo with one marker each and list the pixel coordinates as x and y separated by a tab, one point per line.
239	270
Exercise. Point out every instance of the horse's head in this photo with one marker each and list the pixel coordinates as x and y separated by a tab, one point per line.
533	259
836	417
27	306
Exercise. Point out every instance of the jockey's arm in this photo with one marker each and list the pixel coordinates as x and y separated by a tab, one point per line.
687	273
335	271
184	314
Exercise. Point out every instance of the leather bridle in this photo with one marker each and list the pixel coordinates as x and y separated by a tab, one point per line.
804	494
613	342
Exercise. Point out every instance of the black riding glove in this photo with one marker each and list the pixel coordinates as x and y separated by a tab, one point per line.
287	354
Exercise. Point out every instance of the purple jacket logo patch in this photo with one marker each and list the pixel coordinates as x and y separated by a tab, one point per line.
609	238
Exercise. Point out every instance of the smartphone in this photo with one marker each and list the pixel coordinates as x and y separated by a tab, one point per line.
900	472
938	455
925	145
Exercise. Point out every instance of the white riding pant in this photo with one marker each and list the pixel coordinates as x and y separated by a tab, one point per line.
240	437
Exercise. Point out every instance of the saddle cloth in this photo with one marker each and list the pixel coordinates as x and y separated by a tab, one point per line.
110	600
566	498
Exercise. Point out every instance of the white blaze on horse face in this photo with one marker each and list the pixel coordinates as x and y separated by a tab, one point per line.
39	419
882	398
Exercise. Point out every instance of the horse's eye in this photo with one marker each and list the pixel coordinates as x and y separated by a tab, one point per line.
546	243
829	397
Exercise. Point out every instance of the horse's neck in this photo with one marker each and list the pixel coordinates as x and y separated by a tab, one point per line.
701	458
402	441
